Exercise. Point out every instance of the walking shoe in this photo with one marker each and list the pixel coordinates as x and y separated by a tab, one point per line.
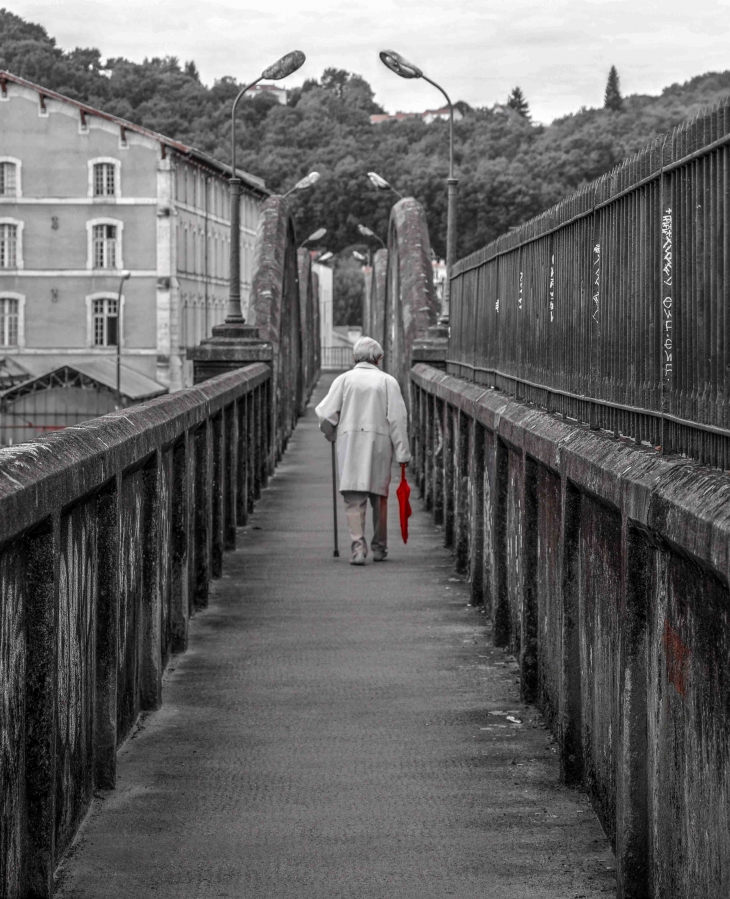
357	558
380	555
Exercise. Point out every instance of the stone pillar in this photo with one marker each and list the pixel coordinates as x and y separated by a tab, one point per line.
232	346
433	347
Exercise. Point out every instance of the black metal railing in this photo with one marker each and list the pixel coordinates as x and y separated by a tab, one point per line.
336	358
611	307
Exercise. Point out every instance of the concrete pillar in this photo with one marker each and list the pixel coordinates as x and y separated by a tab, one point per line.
231	476
476	478
202	525
180	528
528	620
448	475
570	716
242	461
232	346
429	452
632	790
42	552
217	496
502	626
151	600
439	454
462	435
107	635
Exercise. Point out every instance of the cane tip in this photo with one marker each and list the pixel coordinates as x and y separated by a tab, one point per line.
336	554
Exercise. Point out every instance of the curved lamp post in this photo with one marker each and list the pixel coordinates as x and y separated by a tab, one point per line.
306	182
125	276
382	184
396	63
280	69
314	236
367	232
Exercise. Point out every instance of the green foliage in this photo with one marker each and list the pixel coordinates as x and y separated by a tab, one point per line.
612	98
509	169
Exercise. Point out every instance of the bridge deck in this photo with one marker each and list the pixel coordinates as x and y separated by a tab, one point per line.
337	732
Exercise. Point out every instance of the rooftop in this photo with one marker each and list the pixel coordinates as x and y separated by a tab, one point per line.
252	181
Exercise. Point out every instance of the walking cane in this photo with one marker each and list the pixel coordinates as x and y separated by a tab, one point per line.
336	553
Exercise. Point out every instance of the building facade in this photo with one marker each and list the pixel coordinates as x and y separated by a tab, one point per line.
86	197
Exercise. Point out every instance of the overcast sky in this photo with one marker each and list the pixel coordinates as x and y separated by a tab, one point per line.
557	51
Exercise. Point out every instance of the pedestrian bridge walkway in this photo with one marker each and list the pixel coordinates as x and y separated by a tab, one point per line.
337	732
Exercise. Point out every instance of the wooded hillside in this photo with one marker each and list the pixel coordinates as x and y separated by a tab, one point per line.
509	168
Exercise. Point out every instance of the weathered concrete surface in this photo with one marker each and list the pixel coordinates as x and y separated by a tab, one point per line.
109	532
338	732
604	568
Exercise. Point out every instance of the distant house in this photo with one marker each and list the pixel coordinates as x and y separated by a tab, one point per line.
280	94
378	118
84	196
433	115
430	115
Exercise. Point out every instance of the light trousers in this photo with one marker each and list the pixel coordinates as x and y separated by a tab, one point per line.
356	505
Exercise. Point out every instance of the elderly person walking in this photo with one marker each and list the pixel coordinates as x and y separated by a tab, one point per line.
365	413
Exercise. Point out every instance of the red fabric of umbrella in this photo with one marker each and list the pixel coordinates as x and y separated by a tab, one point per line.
403	492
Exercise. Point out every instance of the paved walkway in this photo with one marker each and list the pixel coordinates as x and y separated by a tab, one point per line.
338	732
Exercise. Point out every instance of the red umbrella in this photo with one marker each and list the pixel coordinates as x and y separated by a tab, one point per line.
403	492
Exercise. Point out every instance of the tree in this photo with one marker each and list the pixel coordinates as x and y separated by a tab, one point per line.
517	102
335	80
349	291
613	99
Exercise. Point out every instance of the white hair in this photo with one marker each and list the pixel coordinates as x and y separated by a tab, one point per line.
367	350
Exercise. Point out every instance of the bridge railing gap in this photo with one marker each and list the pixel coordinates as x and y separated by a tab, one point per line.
565	450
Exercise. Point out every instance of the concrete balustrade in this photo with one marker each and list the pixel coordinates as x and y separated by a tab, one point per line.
110	533
603	567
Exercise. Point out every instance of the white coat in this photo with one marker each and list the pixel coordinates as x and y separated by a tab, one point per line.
364	411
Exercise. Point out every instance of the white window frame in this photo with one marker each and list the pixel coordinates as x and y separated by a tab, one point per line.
20	345
19	263
90	244
104	295
109	160
18	177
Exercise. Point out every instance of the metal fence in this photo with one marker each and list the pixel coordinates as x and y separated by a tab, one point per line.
611	307
336	358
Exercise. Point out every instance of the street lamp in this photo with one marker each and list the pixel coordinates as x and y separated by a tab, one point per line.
363	229
306	182
382	184
314	236
324	257
285	66
396	63
359	256
125	276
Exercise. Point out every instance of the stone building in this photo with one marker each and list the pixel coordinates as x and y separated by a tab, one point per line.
84	197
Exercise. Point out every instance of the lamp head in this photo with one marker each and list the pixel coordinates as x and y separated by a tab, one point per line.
317	235
324	257
359	256
363	229
396	63
284	66
126	275
378	182
307	181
